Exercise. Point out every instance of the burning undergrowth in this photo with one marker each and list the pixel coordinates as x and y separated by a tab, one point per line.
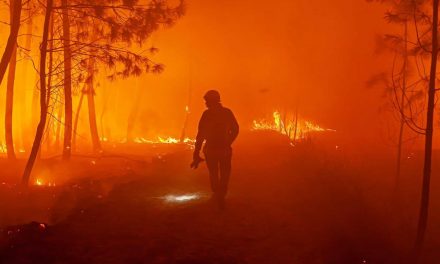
290	125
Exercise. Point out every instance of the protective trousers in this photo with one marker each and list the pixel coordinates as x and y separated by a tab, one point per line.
218	161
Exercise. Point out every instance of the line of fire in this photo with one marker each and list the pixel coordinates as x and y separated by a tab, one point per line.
233	131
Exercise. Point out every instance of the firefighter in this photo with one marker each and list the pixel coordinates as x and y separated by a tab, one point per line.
218	128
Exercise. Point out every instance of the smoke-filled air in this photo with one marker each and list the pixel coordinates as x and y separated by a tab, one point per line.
224	132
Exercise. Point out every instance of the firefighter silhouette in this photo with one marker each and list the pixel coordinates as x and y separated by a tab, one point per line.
218	129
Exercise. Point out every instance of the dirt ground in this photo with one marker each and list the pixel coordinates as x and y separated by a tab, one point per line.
308	204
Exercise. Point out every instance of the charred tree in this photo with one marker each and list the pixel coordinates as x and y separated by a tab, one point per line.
75	124
35	99
402	106
134	112
10	95
67	82
188	105
21	93
10	105
424	203
43	102
49	81
401	87
103	112
58	127
12	39
91	105
185	124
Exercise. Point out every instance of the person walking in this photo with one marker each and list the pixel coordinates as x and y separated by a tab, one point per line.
218	129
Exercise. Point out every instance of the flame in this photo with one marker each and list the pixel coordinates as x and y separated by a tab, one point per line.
41	183
289	125
38	182
161	140
3	149
169	140
141	140
158	140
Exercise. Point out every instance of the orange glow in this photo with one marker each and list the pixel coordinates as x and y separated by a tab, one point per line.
293	127
307	154
42	183
162	140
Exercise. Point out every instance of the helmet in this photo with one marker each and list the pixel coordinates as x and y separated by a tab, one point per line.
212	96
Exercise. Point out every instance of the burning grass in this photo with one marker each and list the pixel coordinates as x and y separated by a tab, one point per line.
292	126
43	183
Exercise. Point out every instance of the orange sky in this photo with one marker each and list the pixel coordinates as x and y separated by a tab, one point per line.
263	55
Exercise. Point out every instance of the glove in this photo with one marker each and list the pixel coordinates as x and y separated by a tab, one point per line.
196	161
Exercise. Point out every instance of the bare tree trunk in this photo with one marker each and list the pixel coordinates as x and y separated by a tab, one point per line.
105	95
185	125
92	111
399	154
59	126
24	114
67	82
12	39
134	112
402	109
49	84
10	95
35	99
43	106
75	124
424	205
10	106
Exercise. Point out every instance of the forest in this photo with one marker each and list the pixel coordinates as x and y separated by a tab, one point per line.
120	120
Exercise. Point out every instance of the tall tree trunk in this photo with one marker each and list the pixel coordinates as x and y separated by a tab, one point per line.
12	39
9	106
402	109
67	82
185	125
75	124
43	106
59	126
187	112
49	84
21	93
134	112
35	99
424	205
91	105
10	94
106	96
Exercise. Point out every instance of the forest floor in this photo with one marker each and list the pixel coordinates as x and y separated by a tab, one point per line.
302	204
